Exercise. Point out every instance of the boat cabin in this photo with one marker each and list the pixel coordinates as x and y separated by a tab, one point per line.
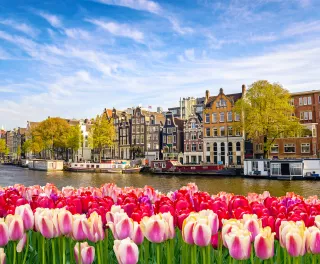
256	167
286	168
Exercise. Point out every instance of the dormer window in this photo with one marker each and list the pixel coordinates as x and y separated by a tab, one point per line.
221	103
169	121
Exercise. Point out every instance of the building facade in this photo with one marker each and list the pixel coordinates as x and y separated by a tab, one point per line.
124	135
138	125
193	141
185	108
154	124
223	143
307	110
172	137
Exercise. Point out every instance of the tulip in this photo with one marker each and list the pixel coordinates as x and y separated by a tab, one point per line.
2	256
22	243
95	228
15	227
137	235
27	216
227	227
80	227
187	229
4	233
170	224
213	220
201	234
45	225
114	209
264	243
122	226
313	240
239	243
252	224
155	228
87	253
126	251
65	222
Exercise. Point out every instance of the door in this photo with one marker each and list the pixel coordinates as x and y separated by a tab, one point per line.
285	169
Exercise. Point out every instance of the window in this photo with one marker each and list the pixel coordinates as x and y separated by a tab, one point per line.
222	132
222	117
310	115
194	147
215	132
142	139
155	146
174	129
168	121
193	136
274	148
300	101
133	120
301	115
207	120
193	125
208	147
291	102
142	120
237	117
169	130
230	149
169	139
238	146
174	139
199	135
200	147
229	116
187	136
214	118
309	100
289	148
138	129
230	132
142	129
259	147
238	132
164	139
164	130
305	148
138	139
208	132
305	100
187	147
254	165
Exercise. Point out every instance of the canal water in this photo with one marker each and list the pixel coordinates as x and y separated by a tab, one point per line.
10	175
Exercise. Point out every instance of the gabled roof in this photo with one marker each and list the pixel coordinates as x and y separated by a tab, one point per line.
235	97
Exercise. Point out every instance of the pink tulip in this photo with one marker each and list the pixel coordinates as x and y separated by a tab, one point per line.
2	256
213	220
15	227
87	253
252	224
264	244
154	228
170	225
22	243
187	230
122	226
26	213
45	225
114	209
95	228
4	233
239	243
126	251
201	234
313	240
80	227
227	227
65	222
137	235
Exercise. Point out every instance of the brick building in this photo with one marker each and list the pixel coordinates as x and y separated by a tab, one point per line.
193	141
223	144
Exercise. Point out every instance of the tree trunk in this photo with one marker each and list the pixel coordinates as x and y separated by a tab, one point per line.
100	152
265	150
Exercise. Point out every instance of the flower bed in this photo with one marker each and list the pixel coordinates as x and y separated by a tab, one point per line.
141	225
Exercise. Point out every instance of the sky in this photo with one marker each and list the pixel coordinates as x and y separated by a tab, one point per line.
73	58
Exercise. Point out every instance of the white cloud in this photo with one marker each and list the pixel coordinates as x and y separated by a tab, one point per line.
53	20
303	28
178	28
263	38
20	27
77	33
189	54
143	5
122	30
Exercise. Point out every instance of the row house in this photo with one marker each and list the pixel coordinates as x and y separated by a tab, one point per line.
193	141
138	126
307	110
223	142
14	141
154	124
124	135
85	151
172	137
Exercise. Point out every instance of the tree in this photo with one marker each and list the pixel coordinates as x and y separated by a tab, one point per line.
136	152
50	134
19	152
2	145
102	133
74	139
267	113
27	146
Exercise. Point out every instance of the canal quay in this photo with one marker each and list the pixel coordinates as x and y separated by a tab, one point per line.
10	175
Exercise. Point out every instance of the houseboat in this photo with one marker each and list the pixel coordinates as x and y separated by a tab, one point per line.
285	169
110	166
45	165
175	167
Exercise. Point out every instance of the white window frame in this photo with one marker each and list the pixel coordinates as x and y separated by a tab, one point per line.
310	115
230	128
229	116
207	118
301	115
207	129
305	145
214	118
195	147
289	145
222	117
300	101
213	132
309	100
305	100
224	131
274	146
306	115
237	117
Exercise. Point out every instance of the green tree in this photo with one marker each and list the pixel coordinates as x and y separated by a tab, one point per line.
267	113
74	139
102	133
27	146
2	146
19	152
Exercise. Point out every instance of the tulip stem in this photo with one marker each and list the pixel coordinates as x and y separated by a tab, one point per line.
107	245
158	253
146	252
53	251
194	254
43	250
63	250
169	260
251	255
209	254
14	252
27	249
313	259
79	257
203	251
98	253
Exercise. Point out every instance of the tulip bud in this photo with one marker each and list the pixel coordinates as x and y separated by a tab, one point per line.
126	251
4	233
45	225
122	226
154	228
87	253
137	235
264	244
95	228
252	224
313	240
22	243
65	222
213	220
27	216
239	243
80	227
201	234
2	256
15	227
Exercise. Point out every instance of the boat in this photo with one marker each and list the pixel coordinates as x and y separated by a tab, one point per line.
176	168
45	165
283	169
132	170
108	166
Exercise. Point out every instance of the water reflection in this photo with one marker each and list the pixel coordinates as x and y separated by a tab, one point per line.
10	175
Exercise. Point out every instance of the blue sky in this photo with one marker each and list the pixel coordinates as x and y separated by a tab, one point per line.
74	58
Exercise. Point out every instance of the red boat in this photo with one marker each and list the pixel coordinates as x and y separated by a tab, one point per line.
175	167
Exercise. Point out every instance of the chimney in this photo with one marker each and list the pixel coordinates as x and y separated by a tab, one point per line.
243	89
207	95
